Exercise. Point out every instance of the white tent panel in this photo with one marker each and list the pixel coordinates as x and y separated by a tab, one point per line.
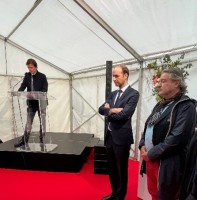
16	64
5	111
148	100
191	81
85	105
2	58
59	110
12	11
72	40
134	82
191	56
101	70
62	33
150	26
93	73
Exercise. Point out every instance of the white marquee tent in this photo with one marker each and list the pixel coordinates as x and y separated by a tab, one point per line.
72	39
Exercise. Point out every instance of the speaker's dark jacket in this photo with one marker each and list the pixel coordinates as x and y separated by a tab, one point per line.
39	84
120	123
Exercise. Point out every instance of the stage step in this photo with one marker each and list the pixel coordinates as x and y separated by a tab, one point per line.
100	158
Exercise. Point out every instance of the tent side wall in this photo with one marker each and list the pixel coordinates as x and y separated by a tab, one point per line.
77	113
12	69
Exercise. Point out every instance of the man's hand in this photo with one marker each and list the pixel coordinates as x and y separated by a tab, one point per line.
143	150
144	153
115	110
107	105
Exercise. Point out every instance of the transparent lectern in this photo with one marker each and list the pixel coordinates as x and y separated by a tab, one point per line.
42	98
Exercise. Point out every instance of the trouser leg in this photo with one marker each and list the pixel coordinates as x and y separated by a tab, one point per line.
42	119
118	156
30	117
114	181
152	178
122	156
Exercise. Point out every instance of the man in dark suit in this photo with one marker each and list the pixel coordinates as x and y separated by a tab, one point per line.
34	81
118	109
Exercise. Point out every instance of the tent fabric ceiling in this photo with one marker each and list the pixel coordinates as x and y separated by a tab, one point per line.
151	26
62	33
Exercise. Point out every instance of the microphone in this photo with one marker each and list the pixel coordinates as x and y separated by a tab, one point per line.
16	84
13	92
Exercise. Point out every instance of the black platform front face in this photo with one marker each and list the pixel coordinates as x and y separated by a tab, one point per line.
69	156
100	159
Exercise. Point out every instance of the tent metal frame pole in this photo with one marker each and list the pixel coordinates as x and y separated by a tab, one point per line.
98	75
174	50
104	25
138	118
21	76
2	38
87	102
24	18
153	57
92	76
5	54
71	103
96	112
146	58
102	67
36	56
6	39
85	122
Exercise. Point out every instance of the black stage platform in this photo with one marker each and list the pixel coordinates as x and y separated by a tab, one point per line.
69	155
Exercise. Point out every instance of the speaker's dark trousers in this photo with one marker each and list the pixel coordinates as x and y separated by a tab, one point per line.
31	111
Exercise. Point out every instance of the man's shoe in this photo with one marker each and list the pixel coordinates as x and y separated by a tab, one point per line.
42	147
41	140
109	197
119	198
19	144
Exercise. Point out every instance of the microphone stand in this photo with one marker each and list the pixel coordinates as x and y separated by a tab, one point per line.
14	119
18	82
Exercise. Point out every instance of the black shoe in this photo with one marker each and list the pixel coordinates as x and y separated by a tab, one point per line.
19	144
119	198
41	140
109	197
42	147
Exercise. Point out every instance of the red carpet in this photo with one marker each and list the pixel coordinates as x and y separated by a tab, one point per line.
36	185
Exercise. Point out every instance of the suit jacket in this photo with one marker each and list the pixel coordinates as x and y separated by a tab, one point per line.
40	84
120	123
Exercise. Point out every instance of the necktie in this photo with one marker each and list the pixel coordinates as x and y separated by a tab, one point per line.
32	83
115	103
118	97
